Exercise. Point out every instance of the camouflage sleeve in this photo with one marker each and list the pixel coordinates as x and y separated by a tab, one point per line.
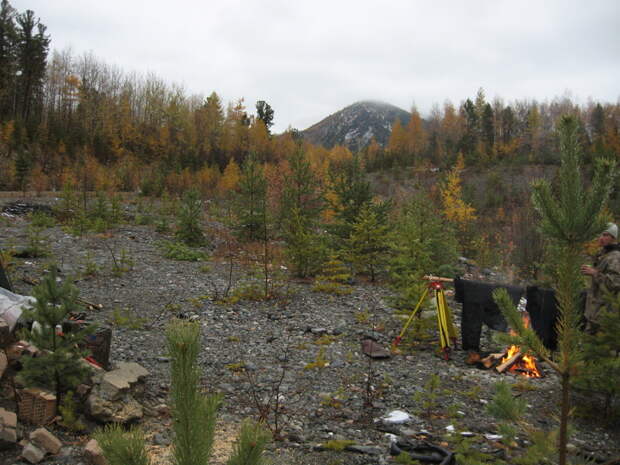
609	274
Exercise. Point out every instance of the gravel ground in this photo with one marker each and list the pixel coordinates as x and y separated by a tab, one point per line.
256	352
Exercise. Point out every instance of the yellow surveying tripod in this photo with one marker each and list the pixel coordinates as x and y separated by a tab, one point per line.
447	331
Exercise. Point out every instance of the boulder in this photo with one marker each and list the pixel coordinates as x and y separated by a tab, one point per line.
3	363
32	453
94	454
43	439
8	427
124	410
113	398
114	384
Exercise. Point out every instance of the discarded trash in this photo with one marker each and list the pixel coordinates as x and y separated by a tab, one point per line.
11	306
493	437
396	417
374	350
422	451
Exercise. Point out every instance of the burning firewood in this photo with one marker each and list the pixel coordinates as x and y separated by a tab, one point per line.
508	363
491	360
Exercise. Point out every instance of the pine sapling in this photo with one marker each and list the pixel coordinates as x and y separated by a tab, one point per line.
58	365
570	217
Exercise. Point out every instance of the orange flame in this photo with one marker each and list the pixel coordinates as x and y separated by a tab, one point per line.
526	365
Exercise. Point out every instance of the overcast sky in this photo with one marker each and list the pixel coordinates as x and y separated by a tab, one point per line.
309	59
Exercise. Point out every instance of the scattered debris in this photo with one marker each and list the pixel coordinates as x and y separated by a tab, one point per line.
11	306
422	451
25	208
396	417
374	350
36	406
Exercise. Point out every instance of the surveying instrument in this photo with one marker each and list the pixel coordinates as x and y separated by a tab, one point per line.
447	331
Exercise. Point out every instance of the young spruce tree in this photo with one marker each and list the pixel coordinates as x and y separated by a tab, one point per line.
368	244
189	218
251	200
58	366
569	218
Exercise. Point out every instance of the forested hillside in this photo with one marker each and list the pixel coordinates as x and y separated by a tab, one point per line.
73	122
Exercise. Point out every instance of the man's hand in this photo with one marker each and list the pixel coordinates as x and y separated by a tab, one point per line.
588	270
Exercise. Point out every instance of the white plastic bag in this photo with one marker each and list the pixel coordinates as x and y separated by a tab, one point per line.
11	306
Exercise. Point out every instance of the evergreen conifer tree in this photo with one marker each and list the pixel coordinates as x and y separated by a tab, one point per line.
23	166
368	245
304	250
302	190
189	218
302	203
58	366
423	243
569	219
251	200
352	191
8	60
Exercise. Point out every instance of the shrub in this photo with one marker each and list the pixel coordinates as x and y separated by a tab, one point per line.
180	251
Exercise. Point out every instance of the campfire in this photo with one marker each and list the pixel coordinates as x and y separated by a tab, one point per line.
516	362
512	360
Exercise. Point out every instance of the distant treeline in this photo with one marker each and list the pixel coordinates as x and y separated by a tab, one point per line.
63	113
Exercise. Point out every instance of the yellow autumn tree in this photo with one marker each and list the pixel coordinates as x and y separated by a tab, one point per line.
416	138
283	145
397	143
455	209
207	179
339	154
259	142
39	181
230	178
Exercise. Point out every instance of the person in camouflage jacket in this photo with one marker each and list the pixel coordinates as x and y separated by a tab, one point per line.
605	273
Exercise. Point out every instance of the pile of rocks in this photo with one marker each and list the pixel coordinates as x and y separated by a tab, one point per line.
41	443
107	396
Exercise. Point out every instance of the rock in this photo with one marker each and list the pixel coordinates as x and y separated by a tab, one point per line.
5	333
8	435
45	440
94	454
368	450
123	410
4	363
161	440
116	382
374	350
32	453
8	427
318	331
8	419
163	410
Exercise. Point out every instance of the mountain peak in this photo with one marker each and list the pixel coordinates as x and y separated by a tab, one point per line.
355	125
